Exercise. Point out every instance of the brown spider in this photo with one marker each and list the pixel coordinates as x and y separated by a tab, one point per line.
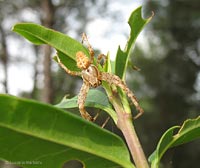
92	77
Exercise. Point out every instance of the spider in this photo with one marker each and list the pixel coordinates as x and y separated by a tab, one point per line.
92	77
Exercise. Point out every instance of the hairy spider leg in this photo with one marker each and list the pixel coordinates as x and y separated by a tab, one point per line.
81	101
91	51
105	122
74	73
97	115
113	79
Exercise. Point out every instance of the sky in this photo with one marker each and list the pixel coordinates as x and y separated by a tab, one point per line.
110	35
103	35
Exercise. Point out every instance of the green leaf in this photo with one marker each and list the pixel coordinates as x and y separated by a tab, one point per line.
163	145
40	133
95	98
189	131
136	23
65	45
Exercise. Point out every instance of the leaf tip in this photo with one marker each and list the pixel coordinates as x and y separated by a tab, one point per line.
13	27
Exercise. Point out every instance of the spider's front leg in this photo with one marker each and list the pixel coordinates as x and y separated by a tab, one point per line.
74	73
81	101
115	80
91	51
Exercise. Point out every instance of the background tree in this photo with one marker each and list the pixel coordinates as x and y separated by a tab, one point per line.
47	19
4	58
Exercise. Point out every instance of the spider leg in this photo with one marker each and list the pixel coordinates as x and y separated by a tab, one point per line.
96	116
74	73
91	51
100	57
105	122
114	79
81	101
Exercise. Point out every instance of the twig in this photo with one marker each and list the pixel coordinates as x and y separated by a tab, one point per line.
125	125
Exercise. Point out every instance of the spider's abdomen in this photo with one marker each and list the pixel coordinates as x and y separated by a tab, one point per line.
82	60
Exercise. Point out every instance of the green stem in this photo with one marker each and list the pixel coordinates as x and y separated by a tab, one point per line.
125	125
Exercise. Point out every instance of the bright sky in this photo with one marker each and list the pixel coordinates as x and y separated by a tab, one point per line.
108	35
103	35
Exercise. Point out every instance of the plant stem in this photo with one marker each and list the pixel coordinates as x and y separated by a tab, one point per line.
125	125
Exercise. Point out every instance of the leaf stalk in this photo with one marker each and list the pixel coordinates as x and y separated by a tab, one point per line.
125	124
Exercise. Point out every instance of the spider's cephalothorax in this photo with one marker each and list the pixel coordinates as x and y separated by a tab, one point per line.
92	77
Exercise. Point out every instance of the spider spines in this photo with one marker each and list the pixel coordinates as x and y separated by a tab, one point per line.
81	101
